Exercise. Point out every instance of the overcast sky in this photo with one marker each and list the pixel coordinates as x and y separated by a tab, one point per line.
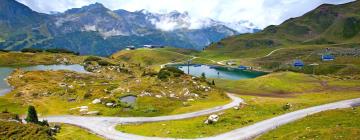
260	12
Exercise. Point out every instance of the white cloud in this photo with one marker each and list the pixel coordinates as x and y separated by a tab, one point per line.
260	12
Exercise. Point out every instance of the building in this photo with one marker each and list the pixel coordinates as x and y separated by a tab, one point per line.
327	57
298	63
153	46
130	48
243	67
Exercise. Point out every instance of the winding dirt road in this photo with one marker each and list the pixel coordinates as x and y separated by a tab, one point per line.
105	126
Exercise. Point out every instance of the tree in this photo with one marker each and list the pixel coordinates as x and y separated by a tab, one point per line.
32	115
203	76
213	82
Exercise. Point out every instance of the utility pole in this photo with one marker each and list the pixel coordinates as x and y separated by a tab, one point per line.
188	64
314	65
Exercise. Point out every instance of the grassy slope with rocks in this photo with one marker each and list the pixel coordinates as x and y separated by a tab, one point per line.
11	129
27	59
48	90
335	124
327	24
266	98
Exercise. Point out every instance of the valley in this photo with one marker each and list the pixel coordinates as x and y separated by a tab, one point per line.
87	73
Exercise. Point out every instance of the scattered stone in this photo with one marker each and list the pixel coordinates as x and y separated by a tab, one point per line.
236	108
212	119
96	101
110	104
158	96
71	100
84	110
93	113
172	95
190	100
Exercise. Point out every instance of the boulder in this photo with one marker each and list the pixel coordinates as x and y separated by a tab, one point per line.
93	113
110	104
96	101
84	107
212	119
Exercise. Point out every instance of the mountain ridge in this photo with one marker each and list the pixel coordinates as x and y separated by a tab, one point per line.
106	29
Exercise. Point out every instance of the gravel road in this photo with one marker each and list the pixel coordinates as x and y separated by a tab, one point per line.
105	126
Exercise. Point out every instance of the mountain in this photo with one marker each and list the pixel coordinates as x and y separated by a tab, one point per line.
327	24
96	30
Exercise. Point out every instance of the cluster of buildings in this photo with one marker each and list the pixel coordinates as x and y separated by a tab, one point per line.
145	46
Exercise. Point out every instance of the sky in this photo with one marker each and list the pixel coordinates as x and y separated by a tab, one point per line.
260	12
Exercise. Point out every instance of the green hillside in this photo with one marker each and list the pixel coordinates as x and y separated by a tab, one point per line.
327	24
153	56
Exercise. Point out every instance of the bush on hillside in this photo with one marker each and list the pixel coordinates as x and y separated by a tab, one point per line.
31	50
60	50
105	63
351	27
168	72
92	58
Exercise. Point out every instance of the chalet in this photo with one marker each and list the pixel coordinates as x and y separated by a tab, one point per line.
327	58
130	48
153	46
243	67
298	63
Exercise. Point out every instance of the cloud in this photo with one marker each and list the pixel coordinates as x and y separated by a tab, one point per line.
260	12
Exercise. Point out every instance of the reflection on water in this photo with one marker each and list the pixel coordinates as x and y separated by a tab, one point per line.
219	72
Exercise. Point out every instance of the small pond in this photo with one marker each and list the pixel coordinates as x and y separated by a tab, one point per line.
6	71
128	99
219	72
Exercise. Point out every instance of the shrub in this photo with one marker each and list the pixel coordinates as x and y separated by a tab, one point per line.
105	63
87	95
168	72
31	50
60	50
92	58
32	115
4	50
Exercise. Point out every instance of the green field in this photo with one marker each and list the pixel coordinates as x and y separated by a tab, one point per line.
266	96
258	108
69	132
335	124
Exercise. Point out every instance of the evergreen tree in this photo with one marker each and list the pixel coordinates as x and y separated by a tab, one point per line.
213	82
203	76
32	115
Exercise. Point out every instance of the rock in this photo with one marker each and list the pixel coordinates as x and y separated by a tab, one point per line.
158	96
93	113
110	104
84	107
236	108
212	119
84	110
172	95
96	101
71	100
190	100
62	85
71	87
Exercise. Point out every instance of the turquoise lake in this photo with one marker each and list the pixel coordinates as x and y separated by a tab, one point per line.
219	72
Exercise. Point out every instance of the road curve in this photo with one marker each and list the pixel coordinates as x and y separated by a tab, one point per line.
105	126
